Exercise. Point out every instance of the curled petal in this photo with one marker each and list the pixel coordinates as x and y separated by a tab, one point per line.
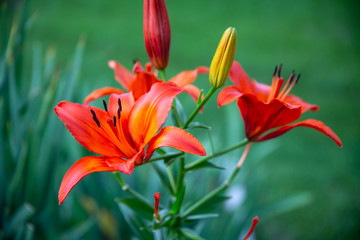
142	84
187	77
315	124
79	121
298	101
122	75
150	112
80	169
138	67
176	138
260	117
98	93
227	95
124	166
240	78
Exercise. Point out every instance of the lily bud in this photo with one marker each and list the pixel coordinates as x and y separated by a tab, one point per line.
157	199
223	58
157	32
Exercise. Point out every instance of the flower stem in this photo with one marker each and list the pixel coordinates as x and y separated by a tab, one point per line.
197	109
202	160
162	75
181	174
126	188
212	194
165	156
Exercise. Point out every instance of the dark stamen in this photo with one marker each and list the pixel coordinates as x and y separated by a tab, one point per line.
279	70
114	120
105	106
297	78
292	75
118	113
119	103
135	60
95	118
275	71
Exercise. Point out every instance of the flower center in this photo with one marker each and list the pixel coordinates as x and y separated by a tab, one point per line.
277	82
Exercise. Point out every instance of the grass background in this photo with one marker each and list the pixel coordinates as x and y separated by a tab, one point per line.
319	39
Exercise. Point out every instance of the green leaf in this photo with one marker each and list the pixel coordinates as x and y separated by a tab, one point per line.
19	218
181	111
199	125
205	164
29	231
200	97
202	216
136	225
189	233
175	208
78	231
286	205
137	206
163	176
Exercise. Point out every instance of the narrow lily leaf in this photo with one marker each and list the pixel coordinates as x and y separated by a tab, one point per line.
136	225
20	217
29	231
209	206
163	176
200	97
206	164
75	69
186	232
286	205
202	216
175	208
199	125
78	231
181	111
137	206
36	73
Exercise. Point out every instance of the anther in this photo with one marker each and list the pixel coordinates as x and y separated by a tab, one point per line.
297	78
118	113
105	106
95	118
135	60
275	71
114	120
279	70
119	103
292	75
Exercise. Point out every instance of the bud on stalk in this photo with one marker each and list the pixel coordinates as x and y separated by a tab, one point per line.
157	32
157	199
223	58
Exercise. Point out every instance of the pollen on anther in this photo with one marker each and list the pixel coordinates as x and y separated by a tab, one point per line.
279	72
114	121
297	78
105	105
119	103
95	117
275	71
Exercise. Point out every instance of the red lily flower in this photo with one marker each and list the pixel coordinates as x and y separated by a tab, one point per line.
265	108
125	134
141	81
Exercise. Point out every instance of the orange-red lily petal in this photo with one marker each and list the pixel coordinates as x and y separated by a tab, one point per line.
269	108
141	81
125	134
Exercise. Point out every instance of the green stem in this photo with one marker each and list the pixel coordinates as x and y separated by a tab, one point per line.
162	74
212	194
202	160
197	109
126	188
171	179
162	157
181	174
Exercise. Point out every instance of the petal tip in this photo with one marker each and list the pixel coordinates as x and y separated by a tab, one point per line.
112	64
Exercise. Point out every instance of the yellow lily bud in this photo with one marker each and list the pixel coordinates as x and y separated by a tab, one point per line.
223	58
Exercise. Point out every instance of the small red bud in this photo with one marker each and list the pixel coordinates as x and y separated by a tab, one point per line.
157	199
157	32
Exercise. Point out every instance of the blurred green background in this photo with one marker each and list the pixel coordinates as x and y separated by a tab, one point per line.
302	186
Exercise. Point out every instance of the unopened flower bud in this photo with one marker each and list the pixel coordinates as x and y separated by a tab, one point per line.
223	58
157	199
157	32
